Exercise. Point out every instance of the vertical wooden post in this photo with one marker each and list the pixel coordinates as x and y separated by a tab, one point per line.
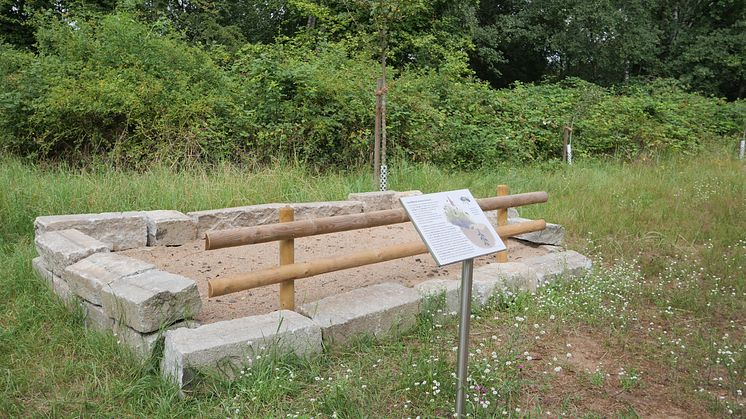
502	219
287	257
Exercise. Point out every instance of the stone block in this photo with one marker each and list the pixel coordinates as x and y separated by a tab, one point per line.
549	248
41	270
223	348
87	276
553	234
60	249
378	310
142	344
396	204
169	228
506	276
151	299
561	264
95	318
228	218
308	210
492	215
486	281
435	287
253	215
375	201
122	230
56	284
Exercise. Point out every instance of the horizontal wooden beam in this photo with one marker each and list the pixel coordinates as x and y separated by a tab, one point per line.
293	230
241	282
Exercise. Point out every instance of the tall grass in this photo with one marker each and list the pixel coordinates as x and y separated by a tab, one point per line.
651	213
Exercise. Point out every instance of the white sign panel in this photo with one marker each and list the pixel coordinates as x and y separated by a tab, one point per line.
452	226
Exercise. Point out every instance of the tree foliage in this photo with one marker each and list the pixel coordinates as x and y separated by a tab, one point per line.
212	79
611	41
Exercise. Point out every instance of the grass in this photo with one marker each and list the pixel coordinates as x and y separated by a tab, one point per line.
659	326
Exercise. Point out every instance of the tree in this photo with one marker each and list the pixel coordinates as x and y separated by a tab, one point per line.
704	44
601	41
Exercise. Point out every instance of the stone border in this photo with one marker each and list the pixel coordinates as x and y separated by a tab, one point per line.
143	305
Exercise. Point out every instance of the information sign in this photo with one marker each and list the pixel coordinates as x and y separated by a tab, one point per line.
452	226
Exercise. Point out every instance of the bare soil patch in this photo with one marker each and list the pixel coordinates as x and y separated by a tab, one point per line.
192	261
657	397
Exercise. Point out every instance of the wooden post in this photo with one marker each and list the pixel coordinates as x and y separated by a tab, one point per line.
287	257
502	220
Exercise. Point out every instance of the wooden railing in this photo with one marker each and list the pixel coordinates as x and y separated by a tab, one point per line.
287	230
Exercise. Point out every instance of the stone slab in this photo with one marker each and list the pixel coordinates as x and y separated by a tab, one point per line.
151	299
492	215
122	230
228	218
511	276
41	270
435	287
56	284
378	310
225	347
486	281
60	249
87	276
142	344
403	194
145	344
169	228
253	215
549	248
95	318
308	210
553	234
561	264
374	201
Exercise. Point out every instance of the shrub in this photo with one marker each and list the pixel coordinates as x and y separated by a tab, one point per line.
115	86
137	92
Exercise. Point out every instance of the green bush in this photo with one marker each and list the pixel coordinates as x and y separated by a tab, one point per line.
115	86
314	107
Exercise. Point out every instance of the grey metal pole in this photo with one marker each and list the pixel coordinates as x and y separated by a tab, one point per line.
742	149
467	270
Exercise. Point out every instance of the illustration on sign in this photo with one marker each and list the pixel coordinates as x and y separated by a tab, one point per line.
479	234
452	226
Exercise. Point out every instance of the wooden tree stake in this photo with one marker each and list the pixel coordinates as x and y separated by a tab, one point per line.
502	220
287	257
565	139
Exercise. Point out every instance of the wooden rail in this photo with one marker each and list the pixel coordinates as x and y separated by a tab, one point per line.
295	229
221	286
287	230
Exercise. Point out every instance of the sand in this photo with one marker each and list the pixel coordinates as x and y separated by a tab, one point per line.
192	261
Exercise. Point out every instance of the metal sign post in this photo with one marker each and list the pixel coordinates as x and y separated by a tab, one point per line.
462	369
455	229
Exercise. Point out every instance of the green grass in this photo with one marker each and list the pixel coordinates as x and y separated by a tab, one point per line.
666	304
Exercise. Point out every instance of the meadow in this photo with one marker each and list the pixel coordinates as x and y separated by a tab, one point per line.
659	328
